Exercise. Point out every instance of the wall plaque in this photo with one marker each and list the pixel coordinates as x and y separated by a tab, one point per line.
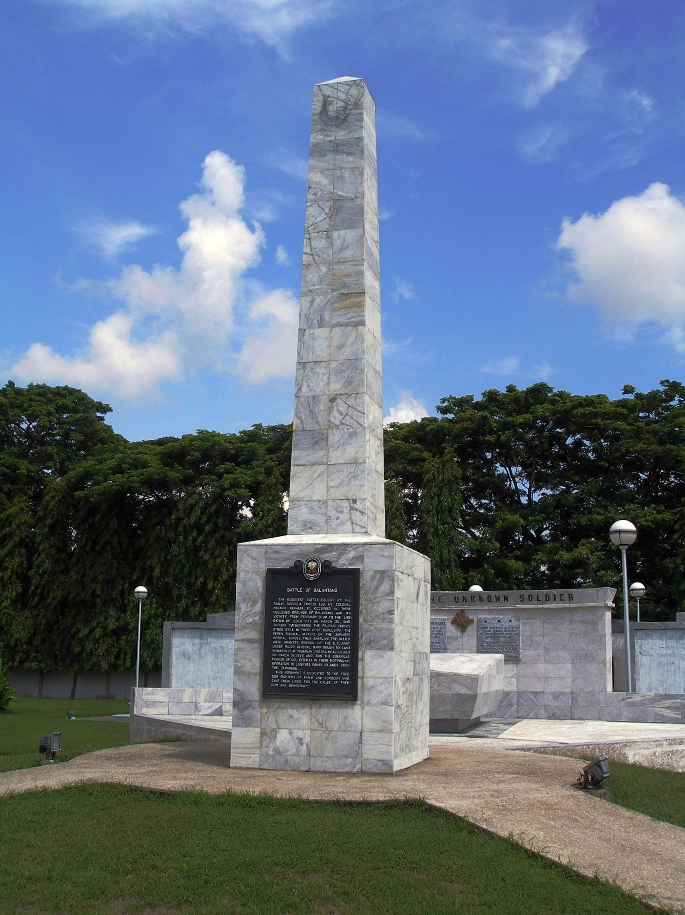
499	635
438	635
311	633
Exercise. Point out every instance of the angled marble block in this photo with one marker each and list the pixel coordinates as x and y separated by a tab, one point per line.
386	729
465	686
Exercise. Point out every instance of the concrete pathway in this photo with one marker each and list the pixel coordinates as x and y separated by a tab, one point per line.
526	796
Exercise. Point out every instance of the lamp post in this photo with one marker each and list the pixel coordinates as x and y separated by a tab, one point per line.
140	594
623	534
637	590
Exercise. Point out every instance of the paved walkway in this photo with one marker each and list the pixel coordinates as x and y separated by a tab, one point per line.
522	795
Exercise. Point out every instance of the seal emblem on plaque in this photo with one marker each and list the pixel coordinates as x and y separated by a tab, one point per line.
311	568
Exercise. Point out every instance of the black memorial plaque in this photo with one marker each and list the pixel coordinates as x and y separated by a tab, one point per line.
499	635
438	635
311	633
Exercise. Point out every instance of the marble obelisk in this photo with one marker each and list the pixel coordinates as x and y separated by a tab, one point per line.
336	510
336	482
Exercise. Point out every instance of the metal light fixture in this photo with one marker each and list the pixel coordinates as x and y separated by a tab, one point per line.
623	534
637	590
50	745
594	774
140	594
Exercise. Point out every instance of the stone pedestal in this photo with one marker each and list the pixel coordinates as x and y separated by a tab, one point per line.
386	729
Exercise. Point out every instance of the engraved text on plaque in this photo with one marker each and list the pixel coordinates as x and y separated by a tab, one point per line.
311	634
499	635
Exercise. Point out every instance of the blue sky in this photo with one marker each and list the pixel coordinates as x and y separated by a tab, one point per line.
153	173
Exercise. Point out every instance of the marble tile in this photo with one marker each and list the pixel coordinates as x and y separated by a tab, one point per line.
310	447
348	245
309	482
347	308
348	343
346	516
311	378
347	411
319	215
284	741
345	481
347	276
348	446
314	344
315	308
336	743
348	182
347	376
311	413
308	516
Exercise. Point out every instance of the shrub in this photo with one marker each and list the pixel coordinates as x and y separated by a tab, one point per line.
7	694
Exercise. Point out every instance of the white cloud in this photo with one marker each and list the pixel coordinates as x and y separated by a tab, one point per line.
271	349
273	21
170	321
407	410
390	125
289	164
402	290
282	257
630	260
543	370
506	366
114	237
114	361
546	60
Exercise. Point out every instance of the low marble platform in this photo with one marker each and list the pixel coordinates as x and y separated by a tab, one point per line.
184	714
463	689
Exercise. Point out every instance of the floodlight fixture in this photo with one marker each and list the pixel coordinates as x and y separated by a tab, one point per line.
623	534
140	594
594	773
50	745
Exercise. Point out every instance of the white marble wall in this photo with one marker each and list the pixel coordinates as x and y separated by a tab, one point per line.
565	662
336	483
386	729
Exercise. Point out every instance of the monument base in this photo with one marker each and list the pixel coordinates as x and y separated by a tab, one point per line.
386	728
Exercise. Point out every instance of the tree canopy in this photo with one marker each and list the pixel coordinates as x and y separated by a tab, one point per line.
515	489
540	476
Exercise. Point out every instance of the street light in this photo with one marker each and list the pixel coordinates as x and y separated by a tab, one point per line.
623	534
140	594
637	590
475	588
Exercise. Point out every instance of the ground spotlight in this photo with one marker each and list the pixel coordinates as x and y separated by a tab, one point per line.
50	745
594	774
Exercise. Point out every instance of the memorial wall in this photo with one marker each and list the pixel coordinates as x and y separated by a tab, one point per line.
556	645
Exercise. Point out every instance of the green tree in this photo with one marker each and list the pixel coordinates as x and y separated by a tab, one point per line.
440	531
44	432
544	473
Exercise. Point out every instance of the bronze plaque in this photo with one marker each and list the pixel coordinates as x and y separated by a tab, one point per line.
311	633
499	635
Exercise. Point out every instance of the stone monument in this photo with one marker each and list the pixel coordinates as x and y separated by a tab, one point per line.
332	624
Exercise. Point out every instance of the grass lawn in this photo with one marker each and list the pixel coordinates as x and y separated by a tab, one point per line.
110	849
27	720
657	793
